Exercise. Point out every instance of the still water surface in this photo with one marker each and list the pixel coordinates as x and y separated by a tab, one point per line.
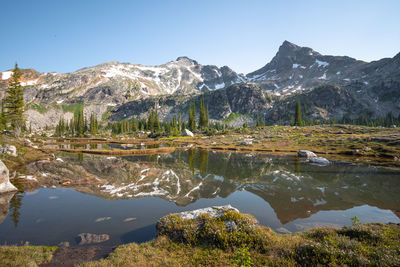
132	193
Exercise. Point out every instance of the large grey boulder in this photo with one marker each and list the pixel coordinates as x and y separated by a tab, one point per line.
186	132
5	185
306	154
319	161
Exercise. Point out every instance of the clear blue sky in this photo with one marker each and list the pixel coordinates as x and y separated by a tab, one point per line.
65	35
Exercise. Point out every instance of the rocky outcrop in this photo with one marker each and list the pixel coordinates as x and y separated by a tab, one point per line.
190	226
5	185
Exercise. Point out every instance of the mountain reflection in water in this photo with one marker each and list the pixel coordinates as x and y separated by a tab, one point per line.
293	191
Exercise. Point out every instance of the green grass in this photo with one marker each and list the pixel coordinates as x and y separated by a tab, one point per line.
234	116
107	113
72	107
25	255
41	109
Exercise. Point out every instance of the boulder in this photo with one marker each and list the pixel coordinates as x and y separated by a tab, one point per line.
88	238
319	161
186	132
247	142
5	185
9	149
202	225
215	212
306	154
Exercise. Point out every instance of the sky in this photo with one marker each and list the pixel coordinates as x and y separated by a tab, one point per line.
66	35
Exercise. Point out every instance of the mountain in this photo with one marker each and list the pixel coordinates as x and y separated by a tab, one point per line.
115	83
330	87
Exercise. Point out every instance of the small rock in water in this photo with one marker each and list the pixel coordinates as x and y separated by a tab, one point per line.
130	219
319	161
88	238
306	154
102	219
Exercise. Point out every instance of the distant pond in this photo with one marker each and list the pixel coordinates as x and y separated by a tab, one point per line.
124	197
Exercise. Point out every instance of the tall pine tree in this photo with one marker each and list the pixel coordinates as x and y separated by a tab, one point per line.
297	116
15	102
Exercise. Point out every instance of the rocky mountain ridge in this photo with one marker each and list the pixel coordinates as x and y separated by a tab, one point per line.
333	87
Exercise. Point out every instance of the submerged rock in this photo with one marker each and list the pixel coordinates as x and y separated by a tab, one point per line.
186	132
306	154
88	238
319	161
5	185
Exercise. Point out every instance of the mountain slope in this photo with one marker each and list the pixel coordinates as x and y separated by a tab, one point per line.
116	83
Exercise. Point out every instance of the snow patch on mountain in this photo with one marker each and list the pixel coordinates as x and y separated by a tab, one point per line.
6	75
321	63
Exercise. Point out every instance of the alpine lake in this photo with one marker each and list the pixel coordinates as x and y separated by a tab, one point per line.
121	198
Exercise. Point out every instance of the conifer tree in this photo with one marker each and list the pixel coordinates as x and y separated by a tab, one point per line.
3	117
202	115
297	117
14	102
93	124
134	125
179	123
192	117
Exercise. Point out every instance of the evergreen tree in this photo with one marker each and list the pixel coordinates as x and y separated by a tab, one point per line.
179	123
14	102
207	122
202	115
93	124
192	117
297	116
3	117
134	125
